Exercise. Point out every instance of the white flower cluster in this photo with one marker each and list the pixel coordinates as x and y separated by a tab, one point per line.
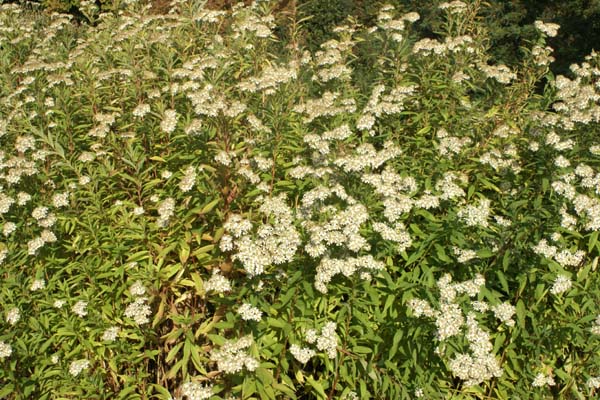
13	315
564	257
78	366
274	243
321	142
80	308
60	199
329	267
196	391
561	284
366	156
105	121
249	313
449	185
302	354
3	255
139	310
137	288
593	382
110	334
463	255
166	209
223	158
548	29
169	122
207	101
331	60
502	159
5	350
428	46
5	203
37	284
542	379
578	100
480	364
327	105
326	341
397	234
395	190
451	145
596	327
341	229
217	283
476	215
453	7
500	73
231	358
141	110
259	25
395	27
270	79
188	180
504	312
384	104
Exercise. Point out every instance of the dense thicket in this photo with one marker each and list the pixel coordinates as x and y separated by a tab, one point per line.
510	23
195	206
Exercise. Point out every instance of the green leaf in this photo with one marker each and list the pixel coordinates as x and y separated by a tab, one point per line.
209	207
317	387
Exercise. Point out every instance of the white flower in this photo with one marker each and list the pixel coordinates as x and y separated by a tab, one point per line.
196	391
223	158
58	303
138	211
327	341
541	379
476	215
80	308
110	334
561	284
13	316
302	354
60	200
504	313
249	312
169	122
39	213
188	180
3	254
230	358
5	350
37	285
137	289
139	311
9	228
77	366
22	198
141	110
593	382
549	29
217	283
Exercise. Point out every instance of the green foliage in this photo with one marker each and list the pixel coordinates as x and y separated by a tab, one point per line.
193	207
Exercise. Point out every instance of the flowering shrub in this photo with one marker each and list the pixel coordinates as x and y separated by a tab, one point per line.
191	208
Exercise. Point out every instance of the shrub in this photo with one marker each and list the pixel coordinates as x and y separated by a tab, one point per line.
193	208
